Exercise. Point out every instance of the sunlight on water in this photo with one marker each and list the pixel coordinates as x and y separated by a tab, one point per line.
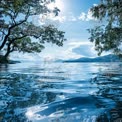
61	92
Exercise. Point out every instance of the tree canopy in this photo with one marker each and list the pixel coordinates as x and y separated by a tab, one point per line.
108	35
19	33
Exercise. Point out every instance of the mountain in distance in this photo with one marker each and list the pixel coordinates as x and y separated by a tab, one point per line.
106	58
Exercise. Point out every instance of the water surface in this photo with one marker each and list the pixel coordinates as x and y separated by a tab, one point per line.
61	92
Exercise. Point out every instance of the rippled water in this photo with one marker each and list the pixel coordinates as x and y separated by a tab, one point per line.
61	92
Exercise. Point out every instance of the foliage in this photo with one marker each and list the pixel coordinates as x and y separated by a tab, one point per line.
108	36
19	33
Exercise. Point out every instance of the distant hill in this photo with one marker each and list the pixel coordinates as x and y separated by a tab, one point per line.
106	58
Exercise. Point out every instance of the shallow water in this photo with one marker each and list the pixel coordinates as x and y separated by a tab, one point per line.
61	92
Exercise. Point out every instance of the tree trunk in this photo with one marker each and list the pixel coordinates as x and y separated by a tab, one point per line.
3	59
8	51
6	55
5	39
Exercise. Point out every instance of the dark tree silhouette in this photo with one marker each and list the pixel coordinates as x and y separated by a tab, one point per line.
108	36
19	33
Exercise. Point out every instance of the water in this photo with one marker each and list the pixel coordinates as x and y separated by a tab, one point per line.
61	92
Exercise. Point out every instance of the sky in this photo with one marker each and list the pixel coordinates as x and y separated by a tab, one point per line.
74	19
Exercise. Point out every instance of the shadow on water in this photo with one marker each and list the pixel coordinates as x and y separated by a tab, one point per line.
3	67
88	93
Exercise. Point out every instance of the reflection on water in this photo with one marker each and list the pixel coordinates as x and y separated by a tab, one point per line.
61	92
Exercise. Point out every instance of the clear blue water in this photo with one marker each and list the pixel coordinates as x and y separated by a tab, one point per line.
61	92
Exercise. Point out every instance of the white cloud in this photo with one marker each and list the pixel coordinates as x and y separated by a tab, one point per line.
77	43
57	3
84	49
82	16
68	54
87	16
50	18
77	49
95	4
61	18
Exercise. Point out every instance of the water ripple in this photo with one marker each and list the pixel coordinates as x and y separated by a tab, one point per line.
88	93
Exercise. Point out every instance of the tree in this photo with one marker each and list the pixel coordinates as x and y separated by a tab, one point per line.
108	36
19	33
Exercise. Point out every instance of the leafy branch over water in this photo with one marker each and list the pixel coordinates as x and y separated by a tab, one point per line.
108	35
19	33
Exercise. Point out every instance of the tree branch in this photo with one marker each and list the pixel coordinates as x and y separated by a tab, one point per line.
9	31
18	38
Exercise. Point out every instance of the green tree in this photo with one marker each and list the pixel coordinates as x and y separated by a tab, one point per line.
19	33
108	36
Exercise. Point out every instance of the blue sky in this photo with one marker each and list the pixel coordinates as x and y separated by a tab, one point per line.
74	19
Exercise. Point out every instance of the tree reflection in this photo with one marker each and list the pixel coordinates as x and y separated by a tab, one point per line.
4	67
109	82
18	94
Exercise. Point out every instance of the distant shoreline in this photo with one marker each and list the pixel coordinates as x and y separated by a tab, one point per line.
106	58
